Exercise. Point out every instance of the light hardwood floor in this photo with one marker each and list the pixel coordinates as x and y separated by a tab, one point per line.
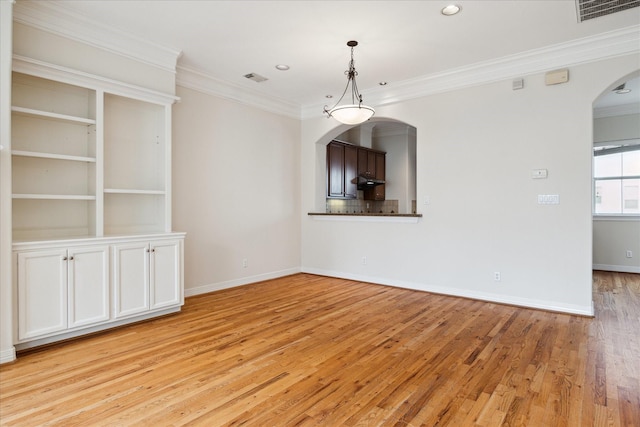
309	350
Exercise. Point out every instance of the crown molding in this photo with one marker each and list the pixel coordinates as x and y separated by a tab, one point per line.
34	67
616	110
589	49
202	82
51	17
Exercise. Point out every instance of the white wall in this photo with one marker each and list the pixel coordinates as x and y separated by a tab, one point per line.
236	191
7	352
616	128
476	148
613	237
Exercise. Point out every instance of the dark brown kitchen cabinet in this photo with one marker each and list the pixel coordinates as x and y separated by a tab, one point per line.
342	170
371	164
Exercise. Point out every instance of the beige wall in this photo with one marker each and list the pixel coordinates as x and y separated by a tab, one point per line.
476	149
236	191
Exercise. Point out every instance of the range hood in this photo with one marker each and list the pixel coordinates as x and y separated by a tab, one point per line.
365	182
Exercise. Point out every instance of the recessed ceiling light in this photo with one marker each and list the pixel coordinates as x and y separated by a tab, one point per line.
282	67
328	96
450	10
382	83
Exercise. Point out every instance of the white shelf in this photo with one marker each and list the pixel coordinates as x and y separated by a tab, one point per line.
87	162
52	116
54	196
128	191
53	156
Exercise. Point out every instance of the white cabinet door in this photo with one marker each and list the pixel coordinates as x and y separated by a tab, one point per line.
131	278
88	285
166	273
42	292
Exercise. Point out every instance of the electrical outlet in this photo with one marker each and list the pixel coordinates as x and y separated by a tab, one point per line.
245	263
364	260
629	254
496	276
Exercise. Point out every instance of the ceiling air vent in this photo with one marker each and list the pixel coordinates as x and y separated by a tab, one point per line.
589	9
257	77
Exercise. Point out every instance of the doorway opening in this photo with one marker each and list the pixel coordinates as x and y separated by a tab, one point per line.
616	177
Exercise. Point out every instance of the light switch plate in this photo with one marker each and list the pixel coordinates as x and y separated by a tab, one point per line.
548	199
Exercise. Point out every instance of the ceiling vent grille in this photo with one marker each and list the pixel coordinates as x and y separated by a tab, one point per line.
259	79
589	9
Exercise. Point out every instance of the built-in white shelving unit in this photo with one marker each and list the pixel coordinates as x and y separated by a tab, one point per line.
91	200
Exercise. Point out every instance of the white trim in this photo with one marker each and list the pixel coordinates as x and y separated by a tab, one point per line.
8	355
606	45
83	241
201	82
55	18
205	289
617	268
482	296
623	218
34	67
52	17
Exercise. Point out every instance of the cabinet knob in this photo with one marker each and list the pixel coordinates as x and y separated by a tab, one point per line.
70	258
65	258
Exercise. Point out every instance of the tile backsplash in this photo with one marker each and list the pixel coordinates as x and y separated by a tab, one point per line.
361	206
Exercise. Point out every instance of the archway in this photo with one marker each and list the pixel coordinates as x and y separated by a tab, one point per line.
395	138
616	177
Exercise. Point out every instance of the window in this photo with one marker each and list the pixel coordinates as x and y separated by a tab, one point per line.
616	180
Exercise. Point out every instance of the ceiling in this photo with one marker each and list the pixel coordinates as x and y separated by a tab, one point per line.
399	41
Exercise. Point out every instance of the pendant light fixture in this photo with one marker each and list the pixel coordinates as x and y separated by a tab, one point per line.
354	113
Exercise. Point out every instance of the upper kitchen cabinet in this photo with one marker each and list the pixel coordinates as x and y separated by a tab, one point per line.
347	164
342	170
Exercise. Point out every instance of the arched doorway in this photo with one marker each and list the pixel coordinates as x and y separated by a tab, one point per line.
616	177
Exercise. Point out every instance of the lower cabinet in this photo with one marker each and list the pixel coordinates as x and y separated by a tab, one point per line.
145	276
60	289
66	291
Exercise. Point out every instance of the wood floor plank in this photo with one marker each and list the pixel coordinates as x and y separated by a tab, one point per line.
309	350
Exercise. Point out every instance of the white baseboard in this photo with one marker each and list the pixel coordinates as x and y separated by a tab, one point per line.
501	299
8	355
204	289
617	268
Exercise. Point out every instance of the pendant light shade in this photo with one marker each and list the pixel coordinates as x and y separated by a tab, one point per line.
354	113
351	114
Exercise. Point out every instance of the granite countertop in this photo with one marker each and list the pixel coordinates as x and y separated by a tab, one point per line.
365	214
